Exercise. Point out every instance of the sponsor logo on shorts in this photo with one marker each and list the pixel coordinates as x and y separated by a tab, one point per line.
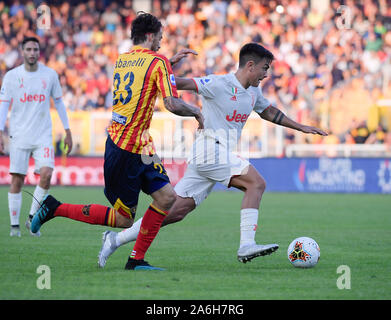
133	211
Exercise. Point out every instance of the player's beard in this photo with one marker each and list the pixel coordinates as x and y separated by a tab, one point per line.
31	61
255	83
258	81
155	46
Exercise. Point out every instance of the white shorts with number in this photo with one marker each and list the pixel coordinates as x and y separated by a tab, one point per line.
199	179
19	158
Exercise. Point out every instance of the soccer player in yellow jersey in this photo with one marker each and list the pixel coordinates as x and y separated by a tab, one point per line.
130	162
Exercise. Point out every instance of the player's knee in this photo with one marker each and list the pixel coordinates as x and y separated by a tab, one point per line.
259	185
45	177
16	183
170	199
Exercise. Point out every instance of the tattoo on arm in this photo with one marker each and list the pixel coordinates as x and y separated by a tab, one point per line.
278	117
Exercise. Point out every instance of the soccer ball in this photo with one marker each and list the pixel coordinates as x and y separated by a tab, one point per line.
303	252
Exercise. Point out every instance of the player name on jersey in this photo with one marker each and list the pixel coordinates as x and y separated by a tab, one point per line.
130	63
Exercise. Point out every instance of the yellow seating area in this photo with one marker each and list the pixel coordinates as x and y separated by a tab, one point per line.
355	102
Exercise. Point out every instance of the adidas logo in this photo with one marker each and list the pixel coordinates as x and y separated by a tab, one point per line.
234	92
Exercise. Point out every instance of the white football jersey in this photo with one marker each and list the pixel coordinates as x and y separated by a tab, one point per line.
226	106
30	124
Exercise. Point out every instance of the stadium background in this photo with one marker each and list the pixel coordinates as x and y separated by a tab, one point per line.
327	72
332	70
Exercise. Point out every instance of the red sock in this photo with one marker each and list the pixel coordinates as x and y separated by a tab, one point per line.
92	213
150	226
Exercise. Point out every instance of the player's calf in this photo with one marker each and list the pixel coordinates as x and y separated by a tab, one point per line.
16	182
179	210
45	177
165	201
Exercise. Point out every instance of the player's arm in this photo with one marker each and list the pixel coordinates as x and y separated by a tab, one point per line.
5	102
276	116
166	85
181	108
4	106
185	84
59	104
182	54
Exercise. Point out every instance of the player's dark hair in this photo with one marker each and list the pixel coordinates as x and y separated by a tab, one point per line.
143	24
25	40
254	52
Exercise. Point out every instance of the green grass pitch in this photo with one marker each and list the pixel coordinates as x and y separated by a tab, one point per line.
199	253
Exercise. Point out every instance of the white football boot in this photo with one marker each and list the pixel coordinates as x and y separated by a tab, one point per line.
248	252
28	224
108	247
15	232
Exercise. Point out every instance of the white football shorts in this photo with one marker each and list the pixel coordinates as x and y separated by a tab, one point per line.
199	179
19	158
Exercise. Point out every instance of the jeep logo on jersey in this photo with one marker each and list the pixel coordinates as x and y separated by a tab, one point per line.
237	117
33	97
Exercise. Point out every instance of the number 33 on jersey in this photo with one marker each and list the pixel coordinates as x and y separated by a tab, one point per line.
139	76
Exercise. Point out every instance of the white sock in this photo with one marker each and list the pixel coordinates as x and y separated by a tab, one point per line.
14	205
248	226
39	194
129	234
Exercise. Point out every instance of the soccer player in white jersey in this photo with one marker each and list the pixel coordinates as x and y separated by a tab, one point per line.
227	101
27	89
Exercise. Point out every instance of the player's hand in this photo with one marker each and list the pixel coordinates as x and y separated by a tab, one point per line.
68	141
182	54
313	130
200	118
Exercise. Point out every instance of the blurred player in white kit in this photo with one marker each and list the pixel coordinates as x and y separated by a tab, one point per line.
27	90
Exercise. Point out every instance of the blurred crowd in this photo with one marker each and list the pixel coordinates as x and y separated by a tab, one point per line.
317	49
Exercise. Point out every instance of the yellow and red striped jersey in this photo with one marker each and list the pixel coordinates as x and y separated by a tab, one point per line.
139	76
